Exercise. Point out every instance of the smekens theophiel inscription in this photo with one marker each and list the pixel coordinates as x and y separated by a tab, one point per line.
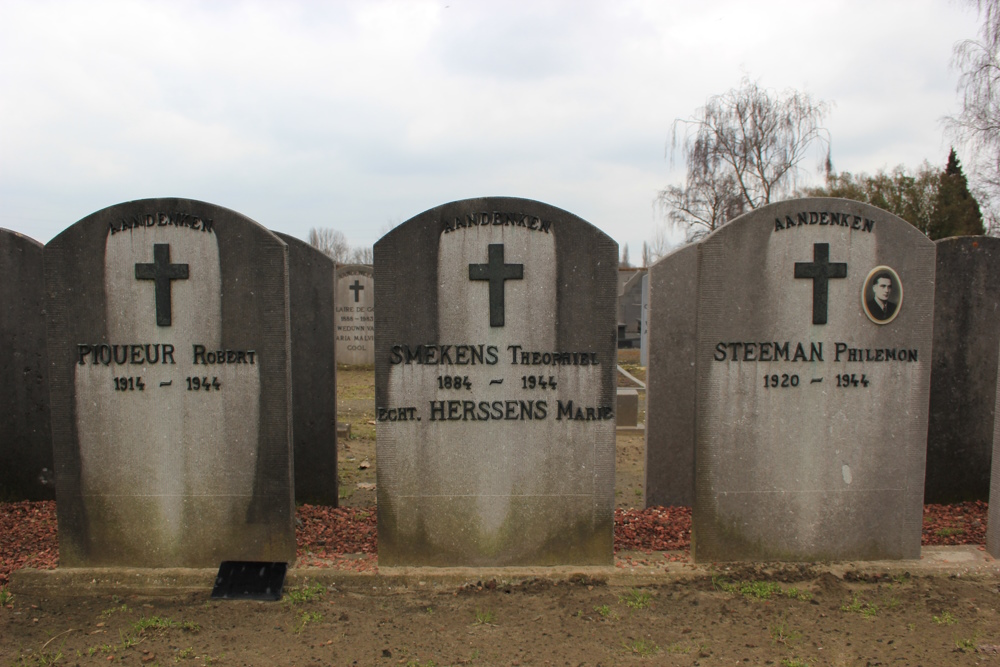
510	409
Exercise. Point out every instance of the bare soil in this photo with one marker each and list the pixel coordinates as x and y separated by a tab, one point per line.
760	614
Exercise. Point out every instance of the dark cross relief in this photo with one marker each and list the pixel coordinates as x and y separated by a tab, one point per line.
356	288
821	271
162	272
497	273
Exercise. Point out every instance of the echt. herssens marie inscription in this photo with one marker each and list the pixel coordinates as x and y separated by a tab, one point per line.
168	341
812	384
494	364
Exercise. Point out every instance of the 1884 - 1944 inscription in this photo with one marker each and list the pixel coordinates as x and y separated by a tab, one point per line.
495	360
169	346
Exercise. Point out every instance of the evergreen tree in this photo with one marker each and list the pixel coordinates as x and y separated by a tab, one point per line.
956	212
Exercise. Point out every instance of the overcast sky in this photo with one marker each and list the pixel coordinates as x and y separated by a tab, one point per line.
360	115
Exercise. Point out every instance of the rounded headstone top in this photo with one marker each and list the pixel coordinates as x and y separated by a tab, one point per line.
349	269
18	237
846	214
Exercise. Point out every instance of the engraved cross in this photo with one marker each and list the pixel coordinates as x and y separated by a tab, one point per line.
497	273
162	272
356	288
821	271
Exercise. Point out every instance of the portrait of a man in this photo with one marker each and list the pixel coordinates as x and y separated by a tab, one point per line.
882	295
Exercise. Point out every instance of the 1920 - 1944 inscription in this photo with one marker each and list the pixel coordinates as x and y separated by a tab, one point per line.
494	401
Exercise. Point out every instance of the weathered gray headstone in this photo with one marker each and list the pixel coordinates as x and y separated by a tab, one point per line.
963	380
993	521
813	365
495	387
314	373
25	439
355	315
168	341
670	379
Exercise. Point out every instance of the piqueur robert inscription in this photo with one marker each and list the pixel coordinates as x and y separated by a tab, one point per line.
162	273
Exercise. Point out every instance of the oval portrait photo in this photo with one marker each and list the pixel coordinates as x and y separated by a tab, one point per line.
882	295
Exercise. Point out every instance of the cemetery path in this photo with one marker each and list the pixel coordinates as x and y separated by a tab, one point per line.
786	615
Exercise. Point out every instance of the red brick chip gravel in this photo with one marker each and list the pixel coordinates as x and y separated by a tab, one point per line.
347	537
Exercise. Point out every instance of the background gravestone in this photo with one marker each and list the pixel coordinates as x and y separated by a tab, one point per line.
993	521
168	344
25	439
355	315
495	387
670	379
811	398
314	373
630	310
964	376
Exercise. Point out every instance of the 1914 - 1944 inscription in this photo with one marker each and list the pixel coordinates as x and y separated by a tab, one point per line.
494	402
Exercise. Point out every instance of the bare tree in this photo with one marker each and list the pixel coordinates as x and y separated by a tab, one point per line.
331	242
659	245
362	255
624	263
978	123
743	149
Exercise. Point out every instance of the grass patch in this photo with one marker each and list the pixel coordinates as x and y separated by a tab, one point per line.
486	617
782	634
759	590
793	662
945	619
307	617
859	606
6	597
641	647
304	594
948	532
636	599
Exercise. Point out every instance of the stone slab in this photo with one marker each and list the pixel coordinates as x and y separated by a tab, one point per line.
26	466
314	372
495	344
670	379
964	376
168	341
628	407
811	402
993	522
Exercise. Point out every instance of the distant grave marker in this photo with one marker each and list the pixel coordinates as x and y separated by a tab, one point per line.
964	377
495	387
26	467
811	404
168	342
314	372
355	315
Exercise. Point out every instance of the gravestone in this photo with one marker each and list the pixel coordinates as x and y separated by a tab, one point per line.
168	343
314	373
670	379
630	310
644	330
813	362
25	439
963	380
495	387
993	521
355	315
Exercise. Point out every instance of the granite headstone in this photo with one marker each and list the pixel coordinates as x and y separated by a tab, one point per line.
355	315
813	358
25	438
168	341
963	379
670	379
314	373
644	327
495	387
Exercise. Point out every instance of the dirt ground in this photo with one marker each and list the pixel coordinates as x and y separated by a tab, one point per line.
781	615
